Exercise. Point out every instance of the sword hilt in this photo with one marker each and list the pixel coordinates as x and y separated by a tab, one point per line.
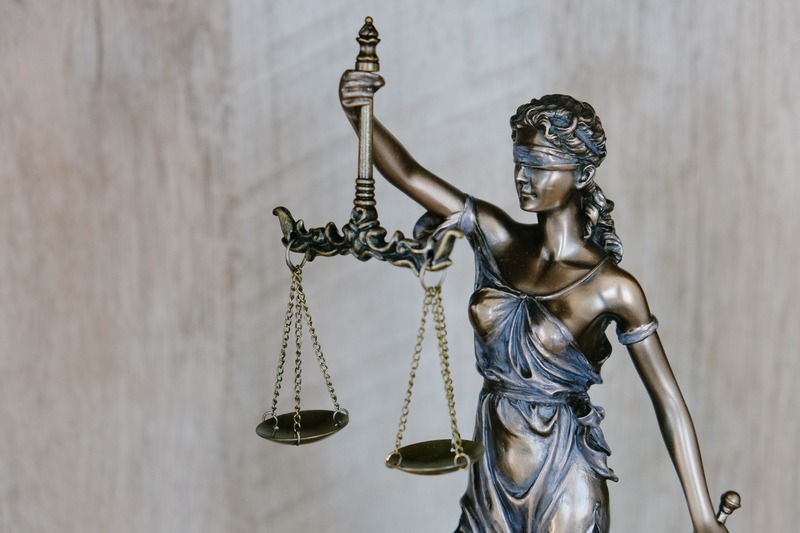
728	503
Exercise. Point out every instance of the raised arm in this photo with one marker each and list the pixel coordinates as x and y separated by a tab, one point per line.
673	416
390	157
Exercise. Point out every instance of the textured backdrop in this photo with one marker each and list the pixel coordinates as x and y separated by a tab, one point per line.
144	144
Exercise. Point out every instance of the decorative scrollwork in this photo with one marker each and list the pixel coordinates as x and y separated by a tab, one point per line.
365	238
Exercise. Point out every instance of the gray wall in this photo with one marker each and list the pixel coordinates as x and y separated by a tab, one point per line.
143	146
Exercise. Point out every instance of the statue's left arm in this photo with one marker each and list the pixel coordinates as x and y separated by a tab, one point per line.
674	420
677	429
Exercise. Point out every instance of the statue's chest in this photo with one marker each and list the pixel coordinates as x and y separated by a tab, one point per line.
499	317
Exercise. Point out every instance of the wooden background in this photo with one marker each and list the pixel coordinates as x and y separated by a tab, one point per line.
144	144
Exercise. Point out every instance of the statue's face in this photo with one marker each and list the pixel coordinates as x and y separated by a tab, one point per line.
545	177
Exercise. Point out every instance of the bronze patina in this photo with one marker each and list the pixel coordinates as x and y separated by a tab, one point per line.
544	295
364	238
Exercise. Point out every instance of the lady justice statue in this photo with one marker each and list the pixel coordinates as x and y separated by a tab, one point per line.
544	295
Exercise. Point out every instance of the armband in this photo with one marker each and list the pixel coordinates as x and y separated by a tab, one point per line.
638	334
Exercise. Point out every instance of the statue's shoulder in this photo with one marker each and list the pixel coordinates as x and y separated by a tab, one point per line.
622	295
498	226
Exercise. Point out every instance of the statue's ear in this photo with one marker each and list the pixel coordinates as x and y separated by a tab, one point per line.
586	177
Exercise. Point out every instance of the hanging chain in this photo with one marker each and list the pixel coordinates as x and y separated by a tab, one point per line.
296	313
432	302
301	300
297	276
426	306
287	328
444	359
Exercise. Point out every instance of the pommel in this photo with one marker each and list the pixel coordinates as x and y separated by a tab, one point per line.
367	59
728	503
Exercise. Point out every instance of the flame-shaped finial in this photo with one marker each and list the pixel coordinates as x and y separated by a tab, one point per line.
367	60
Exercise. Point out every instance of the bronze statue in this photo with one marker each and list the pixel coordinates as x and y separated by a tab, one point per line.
544	295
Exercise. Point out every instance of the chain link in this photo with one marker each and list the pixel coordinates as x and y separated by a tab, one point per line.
296	313
287	329
297	275
444	359
301	297
432	302
426	306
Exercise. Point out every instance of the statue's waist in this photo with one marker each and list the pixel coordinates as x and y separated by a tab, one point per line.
577	401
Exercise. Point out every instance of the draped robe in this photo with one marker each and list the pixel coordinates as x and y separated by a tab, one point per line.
545	467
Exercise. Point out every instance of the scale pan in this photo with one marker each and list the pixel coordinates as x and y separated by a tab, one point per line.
314	425
434	457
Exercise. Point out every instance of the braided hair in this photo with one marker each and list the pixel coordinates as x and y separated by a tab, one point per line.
574	127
